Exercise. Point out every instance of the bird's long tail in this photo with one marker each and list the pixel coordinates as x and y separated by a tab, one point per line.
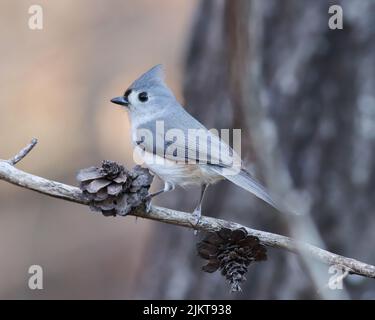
244	180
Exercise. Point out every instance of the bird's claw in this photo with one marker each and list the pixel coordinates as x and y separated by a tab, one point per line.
197	217
148	204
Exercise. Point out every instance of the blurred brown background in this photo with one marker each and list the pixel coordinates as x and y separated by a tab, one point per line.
302	94
55	84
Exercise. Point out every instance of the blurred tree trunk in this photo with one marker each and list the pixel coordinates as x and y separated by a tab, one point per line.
317	86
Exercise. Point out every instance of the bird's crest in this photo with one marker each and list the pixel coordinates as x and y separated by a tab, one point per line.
153	77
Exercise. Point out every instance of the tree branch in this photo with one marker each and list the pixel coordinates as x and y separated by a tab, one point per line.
66	192
23	153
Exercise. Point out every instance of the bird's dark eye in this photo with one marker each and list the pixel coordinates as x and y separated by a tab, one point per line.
143	97
127	92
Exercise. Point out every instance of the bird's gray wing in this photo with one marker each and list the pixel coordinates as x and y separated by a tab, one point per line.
184	139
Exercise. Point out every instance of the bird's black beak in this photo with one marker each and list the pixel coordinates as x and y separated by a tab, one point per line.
122	101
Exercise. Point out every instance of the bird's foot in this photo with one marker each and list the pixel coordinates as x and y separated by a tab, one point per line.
148	204
149	198
197	217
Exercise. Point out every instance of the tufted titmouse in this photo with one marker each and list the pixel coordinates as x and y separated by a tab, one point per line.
162	135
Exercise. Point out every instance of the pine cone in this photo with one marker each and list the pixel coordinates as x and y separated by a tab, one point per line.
232	252
112	189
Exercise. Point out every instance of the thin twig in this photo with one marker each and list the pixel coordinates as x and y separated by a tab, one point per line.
23	153
59	190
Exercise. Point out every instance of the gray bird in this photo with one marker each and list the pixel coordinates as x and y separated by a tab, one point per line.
179	161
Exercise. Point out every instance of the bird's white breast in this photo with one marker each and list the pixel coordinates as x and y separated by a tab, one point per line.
178	173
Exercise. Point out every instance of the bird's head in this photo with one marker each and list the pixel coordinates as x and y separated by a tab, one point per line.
147	94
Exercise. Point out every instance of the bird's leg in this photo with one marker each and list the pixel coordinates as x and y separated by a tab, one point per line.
167	187
151	195
198	210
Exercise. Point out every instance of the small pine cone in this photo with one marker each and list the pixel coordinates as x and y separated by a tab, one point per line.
231	252
112	189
